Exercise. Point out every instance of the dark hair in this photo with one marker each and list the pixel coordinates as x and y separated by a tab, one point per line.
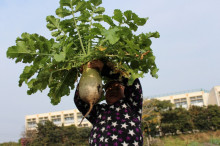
112	82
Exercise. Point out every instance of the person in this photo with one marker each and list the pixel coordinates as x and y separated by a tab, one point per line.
118	122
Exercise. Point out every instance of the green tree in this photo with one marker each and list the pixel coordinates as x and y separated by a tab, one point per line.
213	112
164	105
199	117
175	120
48	134
168	122
184	120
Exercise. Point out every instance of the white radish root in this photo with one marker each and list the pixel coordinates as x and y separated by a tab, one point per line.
90	87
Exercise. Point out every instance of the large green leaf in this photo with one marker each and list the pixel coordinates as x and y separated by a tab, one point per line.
74	2
19	52
108	20
39	83
60	57
56	33
96	2
132	26
67	26
118	16
154	34
154	71
60	37
141	21
59	88
100	10
63	12
80	6
128	15
28	47
65	3
85	15
28	72
52	22
134	75
111	35
98	18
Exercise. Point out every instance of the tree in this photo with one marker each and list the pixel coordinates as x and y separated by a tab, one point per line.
48	134
151	117
213	112
164	105
199	118
175	120
183	120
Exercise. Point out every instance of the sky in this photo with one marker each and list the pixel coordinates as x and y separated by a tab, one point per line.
187	53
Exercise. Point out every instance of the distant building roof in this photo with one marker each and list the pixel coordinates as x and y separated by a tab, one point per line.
181	92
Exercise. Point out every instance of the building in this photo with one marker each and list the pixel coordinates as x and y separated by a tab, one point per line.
66	118
214	96
199	97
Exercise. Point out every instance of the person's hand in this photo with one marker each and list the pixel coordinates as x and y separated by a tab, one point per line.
96	64
111	65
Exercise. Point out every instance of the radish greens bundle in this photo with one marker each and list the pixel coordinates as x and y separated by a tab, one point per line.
82	33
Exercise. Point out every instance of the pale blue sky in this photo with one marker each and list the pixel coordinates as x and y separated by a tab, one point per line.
187	53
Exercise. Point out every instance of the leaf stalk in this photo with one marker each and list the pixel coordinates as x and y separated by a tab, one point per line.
75	23
90	27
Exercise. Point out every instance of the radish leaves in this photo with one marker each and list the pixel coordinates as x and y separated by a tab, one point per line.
79	35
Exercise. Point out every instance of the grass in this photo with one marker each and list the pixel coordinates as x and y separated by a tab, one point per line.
215	141
211	138
10	144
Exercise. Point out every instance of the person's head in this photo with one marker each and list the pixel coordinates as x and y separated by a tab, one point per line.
114	92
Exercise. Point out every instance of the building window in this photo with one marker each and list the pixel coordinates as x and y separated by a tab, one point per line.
196	100
69	118
192	98
31	123
176	100
181	102
56	119
42	120
79	117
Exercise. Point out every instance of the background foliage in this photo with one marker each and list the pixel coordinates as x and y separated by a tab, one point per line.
51	135
160	118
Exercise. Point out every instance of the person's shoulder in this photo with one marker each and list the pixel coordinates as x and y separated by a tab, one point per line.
101	105
104	105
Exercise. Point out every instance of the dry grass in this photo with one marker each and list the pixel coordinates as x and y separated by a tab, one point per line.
196	139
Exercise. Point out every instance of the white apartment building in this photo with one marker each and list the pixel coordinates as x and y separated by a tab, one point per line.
66	118
193	97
